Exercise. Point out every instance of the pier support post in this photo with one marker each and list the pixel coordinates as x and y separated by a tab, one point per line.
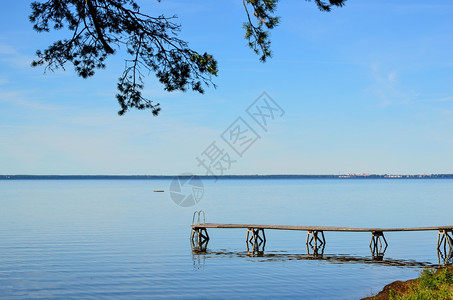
444	257
199	239
314	237
375	240
444	238
316	253
256	240
255	237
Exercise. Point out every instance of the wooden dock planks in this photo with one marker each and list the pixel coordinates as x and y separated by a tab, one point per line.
315	235
318	228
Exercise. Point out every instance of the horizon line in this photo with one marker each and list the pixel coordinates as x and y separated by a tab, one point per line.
347	175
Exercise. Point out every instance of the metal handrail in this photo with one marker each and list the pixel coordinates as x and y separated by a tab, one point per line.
199	212
204	216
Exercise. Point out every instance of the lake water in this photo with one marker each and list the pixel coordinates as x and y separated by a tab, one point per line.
117	239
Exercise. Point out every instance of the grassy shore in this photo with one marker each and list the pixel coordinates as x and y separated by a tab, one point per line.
431	284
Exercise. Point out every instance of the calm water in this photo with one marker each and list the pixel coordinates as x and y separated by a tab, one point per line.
117	239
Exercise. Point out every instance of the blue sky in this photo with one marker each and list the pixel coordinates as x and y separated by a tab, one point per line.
366	88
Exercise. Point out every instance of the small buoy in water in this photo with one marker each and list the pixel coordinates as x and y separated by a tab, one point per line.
158	191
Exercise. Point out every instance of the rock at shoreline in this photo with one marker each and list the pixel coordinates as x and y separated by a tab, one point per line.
399	288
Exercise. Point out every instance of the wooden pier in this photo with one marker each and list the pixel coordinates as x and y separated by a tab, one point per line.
315	234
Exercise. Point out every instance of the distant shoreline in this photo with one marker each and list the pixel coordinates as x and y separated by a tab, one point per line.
151	177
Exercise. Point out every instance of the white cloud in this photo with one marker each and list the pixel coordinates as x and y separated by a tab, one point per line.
387	87
444	99
12	57
19	99
7	50
99	142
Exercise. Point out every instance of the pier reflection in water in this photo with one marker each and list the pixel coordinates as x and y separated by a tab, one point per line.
444	256
201	253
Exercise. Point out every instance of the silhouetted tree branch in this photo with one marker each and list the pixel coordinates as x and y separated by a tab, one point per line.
100	26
